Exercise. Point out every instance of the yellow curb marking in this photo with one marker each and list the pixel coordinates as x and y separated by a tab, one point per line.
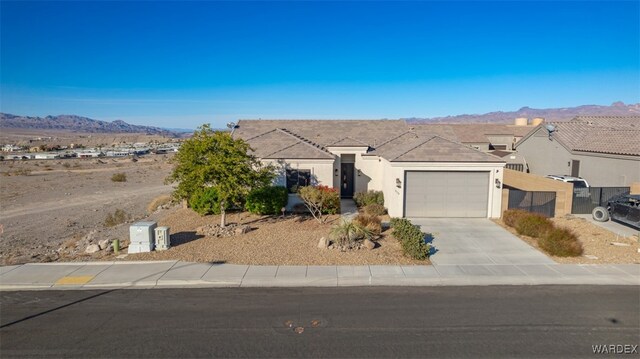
75	280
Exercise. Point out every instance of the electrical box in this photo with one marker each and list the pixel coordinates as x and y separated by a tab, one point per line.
163	238
141	237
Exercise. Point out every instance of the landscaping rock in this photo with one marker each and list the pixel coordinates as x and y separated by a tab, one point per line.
103	244
93	248
214	230
620	244
242	230
323	243
369	244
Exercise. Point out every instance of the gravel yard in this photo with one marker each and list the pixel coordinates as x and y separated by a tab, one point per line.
272	241
596	241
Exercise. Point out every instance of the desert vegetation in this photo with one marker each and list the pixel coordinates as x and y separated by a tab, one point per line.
556	241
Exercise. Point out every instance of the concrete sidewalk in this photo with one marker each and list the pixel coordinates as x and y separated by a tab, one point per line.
94	275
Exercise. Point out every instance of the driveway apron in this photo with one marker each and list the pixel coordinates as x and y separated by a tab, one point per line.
477	241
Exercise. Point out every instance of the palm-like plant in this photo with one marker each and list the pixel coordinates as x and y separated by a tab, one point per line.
347	233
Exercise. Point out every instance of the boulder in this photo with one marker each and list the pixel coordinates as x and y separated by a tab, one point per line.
323	243
369	244
103	244
92	248
242	230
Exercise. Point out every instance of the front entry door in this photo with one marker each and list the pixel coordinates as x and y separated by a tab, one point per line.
346	180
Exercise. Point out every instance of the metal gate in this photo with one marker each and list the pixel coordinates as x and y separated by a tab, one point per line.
586	199
537	202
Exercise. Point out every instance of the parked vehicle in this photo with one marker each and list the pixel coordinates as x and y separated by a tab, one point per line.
624	209
580	185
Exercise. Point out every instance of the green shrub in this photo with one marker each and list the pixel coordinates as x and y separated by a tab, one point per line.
119	177
374	209
118	217
206	201
370	197
511	217
320	200
561	242
267	200
372	223
400	226
533	225
411	238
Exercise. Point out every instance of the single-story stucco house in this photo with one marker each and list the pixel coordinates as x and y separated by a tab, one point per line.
421	174
604	150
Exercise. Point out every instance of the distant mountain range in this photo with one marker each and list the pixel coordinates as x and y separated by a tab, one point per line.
80	124
549	114
84	124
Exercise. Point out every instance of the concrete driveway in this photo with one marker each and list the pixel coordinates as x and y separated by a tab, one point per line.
477	241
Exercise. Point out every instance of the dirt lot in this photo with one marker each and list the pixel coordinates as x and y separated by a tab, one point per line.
51	209
597	242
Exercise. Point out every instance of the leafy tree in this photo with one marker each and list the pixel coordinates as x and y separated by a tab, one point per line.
217	160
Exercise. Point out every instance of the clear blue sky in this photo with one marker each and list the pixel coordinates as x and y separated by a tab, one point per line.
177	64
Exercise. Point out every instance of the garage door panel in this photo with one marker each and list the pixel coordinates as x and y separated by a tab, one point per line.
446	194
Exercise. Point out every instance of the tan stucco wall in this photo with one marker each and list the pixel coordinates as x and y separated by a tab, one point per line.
531	182
548	157
361	183
635	188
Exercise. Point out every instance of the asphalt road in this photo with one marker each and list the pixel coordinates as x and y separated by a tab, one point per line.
510	321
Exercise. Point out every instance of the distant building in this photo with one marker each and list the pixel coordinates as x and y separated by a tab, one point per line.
604	150
46	156
11	148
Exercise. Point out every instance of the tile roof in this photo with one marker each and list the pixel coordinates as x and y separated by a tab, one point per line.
432	149
279	143
609	121
348	142
473	132
617	135
613	141
393	140
327	132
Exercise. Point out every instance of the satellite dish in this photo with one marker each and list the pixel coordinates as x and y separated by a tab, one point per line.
551	128
231	125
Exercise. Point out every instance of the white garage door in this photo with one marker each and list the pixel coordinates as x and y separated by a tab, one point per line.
446	194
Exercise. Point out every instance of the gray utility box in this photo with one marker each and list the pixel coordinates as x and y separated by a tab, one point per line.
141	237
163	238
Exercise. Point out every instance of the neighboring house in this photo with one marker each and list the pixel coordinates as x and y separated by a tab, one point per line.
603	150
515	161
420	173
482	136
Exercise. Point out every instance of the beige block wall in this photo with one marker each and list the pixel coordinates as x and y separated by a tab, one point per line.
635	188
531	182
505	200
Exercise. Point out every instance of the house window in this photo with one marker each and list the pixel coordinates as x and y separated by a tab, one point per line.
297	178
